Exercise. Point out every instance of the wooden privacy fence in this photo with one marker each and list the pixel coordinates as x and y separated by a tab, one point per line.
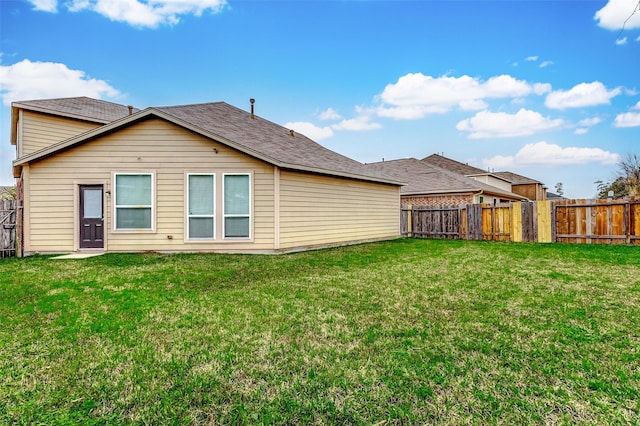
572	221
7	228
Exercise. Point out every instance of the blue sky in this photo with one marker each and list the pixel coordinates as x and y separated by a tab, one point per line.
547	89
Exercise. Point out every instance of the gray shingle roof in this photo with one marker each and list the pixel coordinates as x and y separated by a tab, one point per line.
515	178
268	140
452	165
425	178
232	126
467	170
80	107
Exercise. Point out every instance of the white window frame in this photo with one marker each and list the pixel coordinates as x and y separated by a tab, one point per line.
189	215
152	205
248	215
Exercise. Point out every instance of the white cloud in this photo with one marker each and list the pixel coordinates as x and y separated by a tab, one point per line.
589	122
329	114
45	5
545	64
629	119
583	125
416	95
505	86
27	80
473	105
541	88
360	123
546	154
581	95
310	130
621	41
138	13
410	112
531	58
486	124
616	12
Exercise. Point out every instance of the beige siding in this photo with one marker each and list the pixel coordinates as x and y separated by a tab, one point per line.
151	146
41	130
318	210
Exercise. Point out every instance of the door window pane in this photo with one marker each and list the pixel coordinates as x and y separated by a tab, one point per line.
92	199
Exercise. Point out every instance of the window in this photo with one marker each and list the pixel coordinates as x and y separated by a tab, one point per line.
237	206
133	201
201	206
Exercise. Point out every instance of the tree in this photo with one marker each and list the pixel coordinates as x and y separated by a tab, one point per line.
616	187
559	189
630	171
627	181
7	192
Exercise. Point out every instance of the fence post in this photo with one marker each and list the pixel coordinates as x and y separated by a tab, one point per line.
474	221
516	222
544	221
409	220
8	228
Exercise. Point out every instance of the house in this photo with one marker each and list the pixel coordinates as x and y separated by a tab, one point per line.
93	175
530	188
429	185
554	196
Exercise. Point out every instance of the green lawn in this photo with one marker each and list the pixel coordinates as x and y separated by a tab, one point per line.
401	332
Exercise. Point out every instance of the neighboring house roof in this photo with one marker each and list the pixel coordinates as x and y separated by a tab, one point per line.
426	179
240	130
517	179
553	196
452	165
467	170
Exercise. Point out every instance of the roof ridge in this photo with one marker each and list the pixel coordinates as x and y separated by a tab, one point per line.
69	98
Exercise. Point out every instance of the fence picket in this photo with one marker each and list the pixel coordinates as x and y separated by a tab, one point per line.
7	228
572	221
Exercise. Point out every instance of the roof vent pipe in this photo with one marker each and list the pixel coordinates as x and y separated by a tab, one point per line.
291	132
130	109
253	101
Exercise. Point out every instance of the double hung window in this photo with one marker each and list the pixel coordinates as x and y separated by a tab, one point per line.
133	201
201	206
237	205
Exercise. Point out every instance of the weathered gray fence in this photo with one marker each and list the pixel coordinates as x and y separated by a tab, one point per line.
433	222
8	228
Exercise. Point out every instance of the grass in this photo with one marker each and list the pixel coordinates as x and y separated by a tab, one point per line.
401	332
